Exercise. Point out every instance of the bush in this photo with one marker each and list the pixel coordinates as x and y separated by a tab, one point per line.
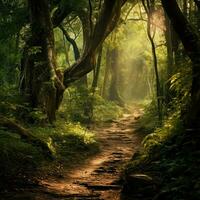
149	121
82	106
68	141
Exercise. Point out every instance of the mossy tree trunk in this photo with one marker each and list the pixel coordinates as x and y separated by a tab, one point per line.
25	135
41	81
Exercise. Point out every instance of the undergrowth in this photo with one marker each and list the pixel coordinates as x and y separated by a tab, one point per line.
68	139
171	156
149	121
70	143
85	107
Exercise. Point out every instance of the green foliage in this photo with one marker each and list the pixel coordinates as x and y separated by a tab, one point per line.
70	143
67	140
36	116
171	156
79	105
181	83
10	101
105	110
9	60
160	135
13	15
75	106
149	121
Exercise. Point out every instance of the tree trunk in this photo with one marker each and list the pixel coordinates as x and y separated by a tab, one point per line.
191	43
114	68
42	83
106	74
97	70
170	60
149	10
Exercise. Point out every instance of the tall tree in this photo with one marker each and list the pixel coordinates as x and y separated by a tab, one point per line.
191	43
41	81
149	8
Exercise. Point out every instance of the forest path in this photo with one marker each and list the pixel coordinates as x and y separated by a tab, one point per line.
97	178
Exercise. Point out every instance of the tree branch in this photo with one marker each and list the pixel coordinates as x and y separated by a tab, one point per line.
108	18
188	36
72	42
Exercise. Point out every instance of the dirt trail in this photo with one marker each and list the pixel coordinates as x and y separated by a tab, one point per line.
97	178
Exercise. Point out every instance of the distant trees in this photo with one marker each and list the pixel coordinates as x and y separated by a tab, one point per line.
115	73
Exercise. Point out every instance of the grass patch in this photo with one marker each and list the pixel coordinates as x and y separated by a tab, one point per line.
67	141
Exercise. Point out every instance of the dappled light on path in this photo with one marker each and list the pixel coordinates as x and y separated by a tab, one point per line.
98	177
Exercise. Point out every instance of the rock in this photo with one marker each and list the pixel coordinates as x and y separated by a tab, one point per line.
139	184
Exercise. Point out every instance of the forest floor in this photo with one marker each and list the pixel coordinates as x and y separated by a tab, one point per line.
98	177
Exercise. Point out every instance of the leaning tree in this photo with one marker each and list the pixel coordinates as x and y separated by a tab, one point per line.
42	84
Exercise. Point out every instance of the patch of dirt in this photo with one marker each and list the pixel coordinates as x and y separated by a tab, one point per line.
97	179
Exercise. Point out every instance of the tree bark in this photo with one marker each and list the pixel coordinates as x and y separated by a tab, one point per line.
41	81
191	43
72	42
